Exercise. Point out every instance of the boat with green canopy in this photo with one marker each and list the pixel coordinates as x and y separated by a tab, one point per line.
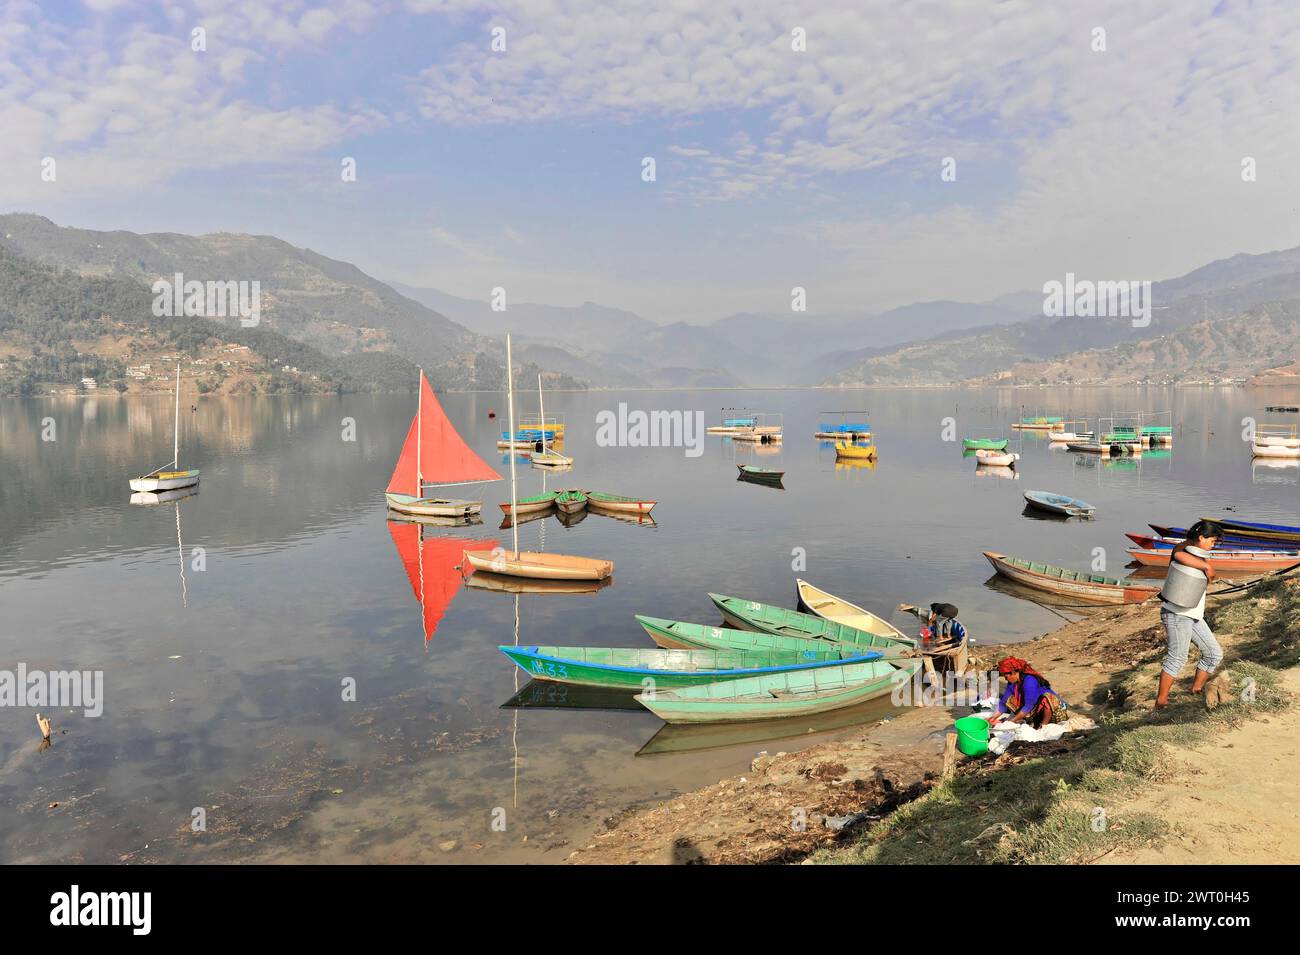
571	502
635	669
618	503
678	634
984	444
774	696
529	505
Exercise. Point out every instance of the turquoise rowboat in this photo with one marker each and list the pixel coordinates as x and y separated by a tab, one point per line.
768	618
984	444
677	634
799	693
634	669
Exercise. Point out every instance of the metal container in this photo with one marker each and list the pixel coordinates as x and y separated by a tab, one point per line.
1185	586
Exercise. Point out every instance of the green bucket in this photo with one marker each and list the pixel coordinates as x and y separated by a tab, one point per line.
972	735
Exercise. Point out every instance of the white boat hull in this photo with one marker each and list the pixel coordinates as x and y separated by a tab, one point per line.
431	506
1274	451
153	485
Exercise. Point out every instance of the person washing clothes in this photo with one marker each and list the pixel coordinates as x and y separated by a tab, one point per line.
1182	610
1027	697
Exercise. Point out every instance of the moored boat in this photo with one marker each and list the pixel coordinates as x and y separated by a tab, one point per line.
768	618
997	459
540	566
1153	542
984	444
679	634
860	452
1253	561
1072	583
616	502
529	505
780	695
1059	504
634	669
1281	533
169	477
1274	451
434	453
571	502
824	604
752	472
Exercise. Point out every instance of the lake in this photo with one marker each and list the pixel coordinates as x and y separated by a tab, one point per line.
227	624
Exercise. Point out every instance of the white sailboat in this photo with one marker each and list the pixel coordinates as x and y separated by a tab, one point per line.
532	564
547	458
169	477
434	453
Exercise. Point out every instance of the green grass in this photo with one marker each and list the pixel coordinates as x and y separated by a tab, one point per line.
1044	809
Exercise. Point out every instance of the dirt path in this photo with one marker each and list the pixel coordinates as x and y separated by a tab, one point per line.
1235	799
755	817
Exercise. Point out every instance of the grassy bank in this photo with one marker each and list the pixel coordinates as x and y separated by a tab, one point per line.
1076	801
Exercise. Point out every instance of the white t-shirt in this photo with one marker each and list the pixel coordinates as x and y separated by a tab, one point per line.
1197	612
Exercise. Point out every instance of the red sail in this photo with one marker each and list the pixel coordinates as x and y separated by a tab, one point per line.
431	568
444	457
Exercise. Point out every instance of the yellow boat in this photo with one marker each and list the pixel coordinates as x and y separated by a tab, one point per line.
861	452
821	603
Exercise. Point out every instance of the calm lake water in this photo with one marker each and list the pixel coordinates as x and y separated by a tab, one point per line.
223	685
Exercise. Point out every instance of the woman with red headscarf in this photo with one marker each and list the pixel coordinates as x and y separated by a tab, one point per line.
1027	697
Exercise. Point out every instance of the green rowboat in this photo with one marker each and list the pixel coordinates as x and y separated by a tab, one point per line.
768	618
571	502
755	473
984	444
634	669
538	502
797	693
677	634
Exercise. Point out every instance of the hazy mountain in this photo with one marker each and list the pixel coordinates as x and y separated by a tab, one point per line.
58	327
1051	347
328	305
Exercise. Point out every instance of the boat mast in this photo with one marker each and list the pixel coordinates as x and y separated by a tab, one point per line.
510	403
176	427
541	411
419	410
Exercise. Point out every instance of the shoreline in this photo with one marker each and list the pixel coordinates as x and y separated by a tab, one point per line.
887	777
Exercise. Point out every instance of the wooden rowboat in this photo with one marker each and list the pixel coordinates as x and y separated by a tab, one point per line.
541	566
821	603
984	444
1226	560
767	618
677	634
860	452
754	473
1059	504
571	502
615	502
1279	533
1072	583
529	505
780	695
997	459
636	669
1151	542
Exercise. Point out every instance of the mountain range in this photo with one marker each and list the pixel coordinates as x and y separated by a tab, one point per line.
328	325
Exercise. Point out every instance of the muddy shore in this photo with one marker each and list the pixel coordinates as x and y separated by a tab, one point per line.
792	805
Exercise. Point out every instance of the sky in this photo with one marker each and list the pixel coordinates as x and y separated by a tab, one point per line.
1114	155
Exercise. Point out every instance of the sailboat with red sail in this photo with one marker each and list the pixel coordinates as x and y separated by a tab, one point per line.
434	454
432	566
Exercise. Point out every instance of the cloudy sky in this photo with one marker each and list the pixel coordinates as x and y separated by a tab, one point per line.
775	167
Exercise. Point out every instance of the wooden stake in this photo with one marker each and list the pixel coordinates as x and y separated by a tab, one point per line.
950	756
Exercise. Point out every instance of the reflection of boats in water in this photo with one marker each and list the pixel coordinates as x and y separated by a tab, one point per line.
485	580
569	520
998	470
690	738
1274	471
432	567
1043	598
507	523
549	695
148	498
429	520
